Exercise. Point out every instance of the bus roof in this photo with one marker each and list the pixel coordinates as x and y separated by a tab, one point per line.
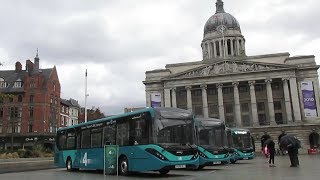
164	112
209	121
108	118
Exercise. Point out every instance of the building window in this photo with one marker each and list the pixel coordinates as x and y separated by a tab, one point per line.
259	87
275	86
32	84
20	98
54	86
278	118
212	91
51	100
31	98
3	83
196	92
245	120
244	107
243	89
31	112
260	106
10	99
229	108
1	112
262	119
227	90
30	127
277	105
62	109
17	84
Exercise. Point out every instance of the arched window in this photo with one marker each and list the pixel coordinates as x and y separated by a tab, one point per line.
54	86
31	98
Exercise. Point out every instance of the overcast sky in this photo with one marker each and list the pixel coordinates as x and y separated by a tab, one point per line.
119	40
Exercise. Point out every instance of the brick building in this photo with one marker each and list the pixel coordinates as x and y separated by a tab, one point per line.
29	105
69	112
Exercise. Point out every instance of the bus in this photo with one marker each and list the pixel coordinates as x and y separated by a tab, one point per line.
151	139
211	142
239	140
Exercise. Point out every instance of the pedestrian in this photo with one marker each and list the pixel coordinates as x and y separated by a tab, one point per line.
314	139
263	138
282	150
293	155
271	148
291	144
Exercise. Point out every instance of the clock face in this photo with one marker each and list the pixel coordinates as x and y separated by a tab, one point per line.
221	28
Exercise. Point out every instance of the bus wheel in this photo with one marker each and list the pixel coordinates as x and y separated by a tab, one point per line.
164	171
69	164
123	166
233	161
200	167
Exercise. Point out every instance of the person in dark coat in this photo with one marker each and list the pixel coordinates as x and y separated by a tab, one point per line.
314	139
272	151
279	137
293	155
263	138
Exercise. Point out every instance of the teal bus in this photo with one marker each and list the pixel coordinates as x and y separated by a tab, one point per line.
239	140
151	139
211	142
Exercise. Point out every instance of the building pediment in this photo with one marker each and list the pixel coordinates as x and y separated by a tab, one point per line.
229	67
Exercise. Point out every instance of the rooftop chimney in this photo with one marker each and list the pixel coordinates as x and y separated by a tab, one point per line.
18	67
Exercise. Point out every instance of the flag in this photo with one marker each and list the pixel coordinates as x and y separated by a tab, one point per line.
86	73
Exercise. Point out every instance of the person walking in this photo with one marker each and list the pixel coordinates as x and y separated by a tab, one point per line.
283	133
263	138
271	148
291	144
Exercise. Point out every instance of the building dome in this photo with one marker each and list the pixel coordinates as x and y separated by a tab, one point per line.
222	36
218	19
221	18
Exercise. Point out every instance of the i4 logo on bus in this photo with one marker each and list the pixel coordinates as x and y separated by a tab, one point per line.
85	159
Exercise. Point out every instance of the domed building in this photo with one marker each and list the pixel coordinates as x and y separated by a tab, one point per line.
269	92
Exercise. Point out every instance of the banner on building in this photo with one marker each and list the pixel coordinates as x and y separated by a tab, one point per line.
155	99
309	103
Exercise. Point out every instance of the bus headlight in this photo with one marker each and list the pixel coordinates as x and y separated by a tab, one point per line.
156	153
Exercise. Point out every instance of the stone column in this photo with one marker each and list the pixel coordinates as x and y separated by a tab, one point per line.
270	102
189	98
237	103
214	49
238	47
220	102
220	48
287	100
295	100
231	47
204	101
174	97
315	83
167	98
255	118
148	99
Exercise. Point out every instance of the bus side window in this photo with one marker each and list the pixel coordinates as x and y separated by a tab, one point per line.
109	135
96	137
85	138
123	134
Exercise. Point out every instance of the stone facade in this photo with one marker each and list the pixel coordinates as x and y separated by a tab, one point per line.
262	92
